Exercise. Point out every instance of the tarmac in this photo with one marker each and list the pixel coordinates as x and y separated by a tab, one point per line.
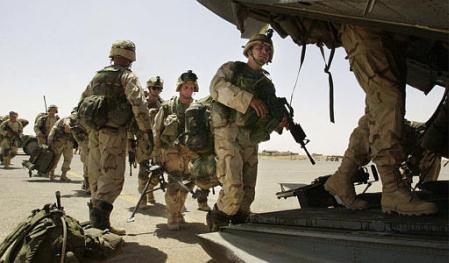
148	239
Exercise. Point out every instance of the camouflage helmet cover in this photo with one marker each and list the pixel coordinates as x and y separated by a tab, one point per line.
155	82
260	39
123	48
13	113
187	76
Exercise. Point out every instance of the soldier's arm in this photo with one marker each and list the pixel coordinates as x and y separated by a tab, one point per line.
19	128
51	135
136	98
223	91
157	131
37	126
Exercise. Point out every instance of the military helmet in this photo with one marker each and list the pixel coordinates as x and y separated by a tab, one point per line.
13	113
187	76
260	39
123	48
155	82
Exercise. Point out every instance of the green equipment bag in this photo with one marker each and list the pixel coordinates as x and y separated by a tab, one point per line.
203	171
198	137
47	235
41	160
93	111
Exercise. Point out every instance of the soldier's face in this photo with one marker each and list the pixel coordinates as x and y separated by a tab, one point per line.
187	89
154	91
13	118
53	111
261	53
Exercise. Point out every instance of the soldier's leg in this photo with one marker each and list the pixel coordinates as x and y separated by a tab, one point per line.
68	156
57	147
340	184
142	180
93	163
229	173
112	147
380	70
84	156
174	164
250	161
430	166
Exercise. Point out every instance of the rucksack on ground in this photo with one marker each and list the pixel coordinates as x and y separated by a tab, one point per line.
48	234
41	160
45	236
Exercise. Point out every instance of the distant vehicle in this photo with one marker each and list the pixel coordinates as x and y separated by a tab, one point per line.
316	233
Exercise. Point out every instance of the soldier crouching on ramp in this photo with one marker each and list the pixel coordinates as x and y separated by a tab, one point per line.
112	98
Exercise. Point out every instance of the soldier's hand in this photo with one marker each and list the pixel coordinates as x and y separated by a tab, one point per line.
260	107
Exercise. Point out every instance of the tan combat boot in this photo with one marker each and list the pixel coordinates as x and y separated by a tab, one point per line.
397	197
341	186
173	222
64	177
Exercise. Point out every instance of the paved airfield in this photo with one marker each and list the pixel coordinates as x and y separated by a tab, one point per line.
148	238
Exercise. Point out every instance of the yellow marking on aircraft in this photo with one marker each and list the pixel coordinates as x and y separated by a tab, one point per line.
129	198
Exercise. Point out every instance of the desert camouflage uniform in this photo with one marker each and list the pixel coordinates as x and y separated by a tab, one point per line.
107	146
174	156
43	126
60	141
9	143
379	65
236	154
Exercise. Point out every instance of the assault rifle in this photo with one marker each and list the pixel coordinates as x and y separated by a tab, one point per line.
295	128
156	171
16	136
132	155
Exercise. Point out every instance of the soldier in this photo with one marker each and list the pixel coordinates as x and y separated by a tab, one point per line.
144	143
107	105
60	141
44	122
11	131
169	148
233	88
378	62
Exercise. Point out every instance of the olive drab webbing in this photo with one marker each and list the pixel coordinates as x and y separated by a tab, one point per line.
258	84
108	106
41	236
174	123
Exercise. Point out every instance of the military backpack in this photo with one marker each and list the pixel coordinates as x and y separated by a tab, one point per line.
47	235
198	136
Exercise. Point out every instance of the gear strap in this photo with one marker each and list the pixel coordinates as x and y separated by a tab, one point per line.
327	66
303	55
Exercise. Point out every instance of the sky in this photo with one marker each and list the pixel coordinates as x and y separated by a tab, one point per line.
54	48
